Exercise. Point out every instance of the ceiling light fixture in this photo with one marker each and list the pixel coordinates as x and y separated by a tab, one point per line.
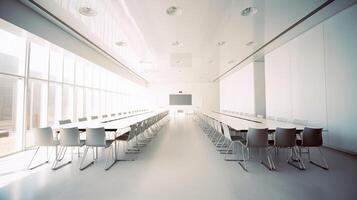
174	11
176	44
121	44
249	11
251	43
87	11
221	43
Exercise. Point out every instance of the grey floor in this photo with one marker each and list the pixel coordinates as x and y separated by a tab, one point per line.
181	163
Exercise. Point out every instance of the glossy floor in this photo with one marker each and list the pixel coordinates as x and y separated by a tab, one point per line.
181	163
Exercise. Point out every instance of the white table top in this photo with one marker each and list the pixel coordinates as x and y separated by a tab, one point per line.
240	124
112	123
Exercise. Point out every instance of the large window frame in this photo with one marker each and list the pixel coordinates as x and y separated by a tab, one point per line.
105	87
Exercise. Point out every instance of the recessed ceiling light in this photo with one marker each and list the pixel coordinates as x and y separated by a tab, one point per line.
174	11
221	43
249	11
87	11
176	44
231	62
121	44
251	43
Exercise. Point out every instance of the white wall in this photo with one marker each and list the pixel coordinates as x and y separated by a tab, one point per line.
204	95
243	91
313	77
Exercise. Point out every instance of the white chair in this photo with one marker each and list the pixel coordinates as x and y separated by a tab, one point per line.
43	138
96	138
82	119
256	138
65	121
69	137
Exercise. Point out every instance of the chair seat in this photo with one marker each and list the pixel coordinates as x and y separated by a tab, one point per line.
236	138
123	137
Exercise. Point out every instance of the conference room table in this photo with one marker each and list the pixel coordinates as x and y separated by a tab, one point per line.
243	123
115	125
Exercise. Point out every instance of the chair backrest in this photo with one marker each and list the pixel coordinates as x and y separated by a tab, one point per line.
226	131
285	137
312	137
257	137
43	136
64	121
95	136
300	122
218	126
104	116
94	117
133	131
82	119
69	136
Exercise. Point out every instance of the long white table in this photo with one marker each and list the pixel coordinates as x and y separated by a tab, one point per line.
242	124
117	126
112	124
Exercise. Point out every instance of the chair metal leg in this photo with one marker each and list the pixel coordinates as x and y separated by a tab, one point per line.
54	166
325	166
107	167
270	161
81	167
234	151
33	157
244	164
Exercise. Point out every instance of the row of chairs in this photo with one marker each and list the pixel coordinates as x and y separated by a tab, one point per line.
138	136
226	140
95	117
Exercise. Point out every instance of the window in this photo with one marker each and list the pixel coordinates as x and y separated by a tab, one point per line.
95	102
88	75
80	72
12	53
79	102
68	69
59	85
54	103
88	102
56	66
39	61
36	111
67	102
11	101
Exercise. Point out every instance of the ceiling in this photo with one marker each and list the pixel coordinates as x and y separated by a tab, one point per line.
184	47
